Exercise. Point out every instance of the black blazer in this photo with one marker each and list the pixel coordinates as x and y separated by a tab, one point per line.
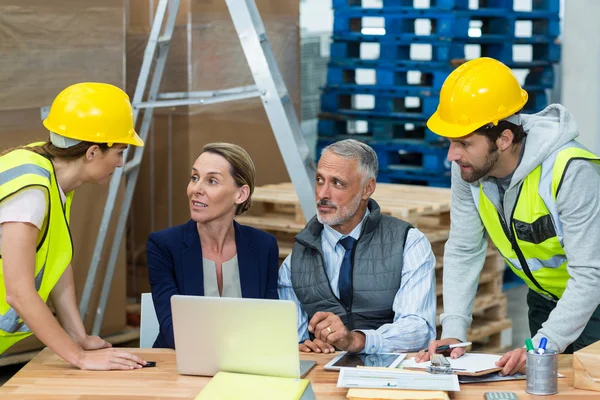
175	267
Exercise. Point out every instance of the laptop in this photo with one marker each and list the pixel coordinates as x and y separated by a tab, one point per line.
252	336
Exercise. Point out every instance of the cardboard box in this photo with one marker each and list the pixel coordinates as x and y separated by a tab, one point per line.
49	45
207	57
586	368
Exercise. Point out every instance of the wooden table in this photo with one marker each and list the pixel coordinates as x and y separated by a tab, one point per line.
48	377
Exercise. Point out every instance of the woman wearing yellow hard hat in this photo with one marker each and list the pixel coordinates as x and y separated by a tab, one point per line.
523	181
90	125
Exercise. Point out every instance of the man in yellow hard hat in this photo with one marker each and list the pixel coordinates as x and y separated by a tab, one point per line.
524	182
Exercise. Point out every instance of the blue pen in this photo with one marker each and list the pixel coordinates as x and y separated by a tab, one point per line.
542	347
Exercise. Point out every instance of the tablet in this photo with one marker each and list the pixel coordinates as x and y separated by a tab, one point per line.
353	360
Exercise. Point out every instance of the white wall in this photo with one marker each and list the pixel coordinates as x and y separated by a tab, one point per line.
581	68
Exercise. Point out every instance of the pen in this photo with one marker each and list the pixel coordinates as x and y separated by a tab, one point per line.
542	348
529	346
451	346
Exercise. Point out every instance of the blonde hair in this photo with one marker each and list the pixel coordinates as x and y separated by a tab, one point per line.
242	168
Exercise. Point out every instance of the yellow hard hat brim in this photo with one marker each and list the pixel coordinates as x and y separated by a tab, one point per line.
135	140
450	131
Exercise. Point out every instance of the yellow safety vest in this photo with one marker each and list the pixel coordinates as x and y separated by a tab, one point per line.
532	241
22	169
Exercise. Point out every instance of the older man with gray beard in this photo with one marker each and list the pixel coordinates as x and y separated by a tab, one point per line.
362	281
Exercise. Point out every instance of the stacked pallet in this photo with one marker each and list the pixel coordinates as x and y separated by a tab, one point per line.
275	209
388	64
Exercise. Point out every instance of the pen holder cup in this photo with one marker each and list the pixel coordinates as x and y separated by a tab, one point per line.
542	373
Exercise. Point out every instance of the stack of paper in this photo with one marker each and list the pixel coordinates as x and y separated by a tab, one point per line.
386	394
230	386
395	379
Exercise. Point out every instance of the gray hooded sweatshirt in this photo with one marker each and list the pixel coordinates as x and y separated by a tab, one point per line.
578	205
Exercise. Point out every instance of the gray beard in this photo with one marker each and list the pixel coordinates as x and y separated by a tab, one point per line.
342	215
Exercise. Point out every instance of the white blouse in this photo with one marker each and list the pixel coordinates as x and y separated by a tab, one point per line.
231	278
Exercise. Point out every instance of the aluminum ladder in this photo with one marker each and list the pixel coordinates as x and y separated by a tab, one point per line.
269	86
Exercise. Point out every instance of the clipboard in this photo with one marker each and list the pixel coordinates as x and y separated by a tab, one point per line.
440	365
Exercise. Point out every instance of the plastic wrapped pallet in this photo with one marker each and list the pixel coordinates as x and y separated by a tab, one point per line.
48	45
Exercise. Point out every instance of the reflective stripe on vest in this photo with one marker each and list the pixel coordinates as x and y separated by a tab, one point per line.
21	169
532	241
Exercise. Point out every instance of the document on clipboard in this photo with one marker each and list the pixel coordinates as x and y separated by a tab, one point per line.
469	364
396	379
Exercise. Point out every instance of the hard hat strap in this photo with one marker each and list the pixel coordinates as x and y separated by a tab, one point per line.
515	119
62	142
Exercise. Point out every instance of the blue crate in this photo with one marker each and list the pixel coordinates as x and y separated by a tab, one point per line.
422	81
407	162
425	65
505	5
348	46
538	100
411	158
402	23
386	103
376	89
539	78
511	280
436	4
407	178
445	4
378	130
343	74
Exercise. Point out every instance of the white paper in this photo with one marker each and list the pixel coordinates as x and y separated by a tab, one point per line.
395	379
470	363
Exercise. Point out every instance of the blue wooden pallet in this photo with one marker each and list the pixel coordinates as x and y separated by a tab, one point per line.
411	158
386	103
390	50
511	280
506	5
377	130
415	81
344	74
390	108
377	89
403	23
408	178
538	100
424	65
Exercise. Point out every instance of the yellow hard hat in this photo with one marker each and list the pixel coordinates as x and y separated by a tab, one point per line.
479	92
93	112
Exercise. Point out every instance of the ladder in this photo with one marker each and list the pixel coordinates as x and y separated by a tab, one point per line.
269	86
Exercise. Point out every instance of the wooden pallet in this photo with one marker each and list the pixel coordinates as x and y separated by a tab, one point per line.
486	308
415	204
491	337
130	334
491	330
490	279
285	238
